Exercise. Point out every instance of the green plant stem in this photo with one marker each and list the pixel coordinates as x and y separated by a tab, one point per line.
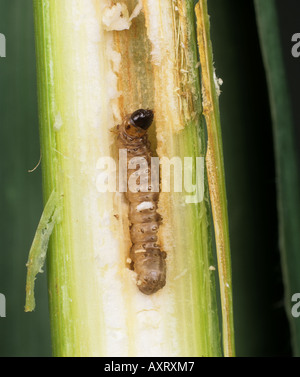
216	174
88	78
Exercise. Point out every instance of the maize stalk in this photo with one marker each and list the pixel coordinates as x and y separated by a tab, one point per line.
98	61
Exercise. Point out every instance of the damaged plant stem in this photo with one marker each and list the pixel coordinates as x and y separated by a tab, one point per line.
96	63
216	175
38	250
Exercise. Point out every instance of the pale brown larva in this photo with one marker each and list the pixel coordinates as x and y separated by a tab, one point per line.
148	261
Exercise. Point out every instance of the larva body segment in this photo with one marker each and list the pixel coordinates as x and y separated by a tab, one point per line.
148	260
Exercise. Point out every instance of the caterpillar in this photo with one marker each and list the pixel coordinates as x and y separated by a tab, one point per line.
147	259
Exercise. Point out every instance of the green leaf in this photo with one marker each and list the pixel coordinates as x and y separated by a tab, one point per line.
21	200
287	170
38	251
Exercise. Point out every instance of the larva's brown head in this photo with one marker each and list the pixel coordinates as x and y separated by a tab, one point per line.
142	118
138	122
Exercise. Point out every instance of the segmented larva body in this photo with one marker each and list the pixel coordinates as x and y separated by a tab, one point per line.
147	258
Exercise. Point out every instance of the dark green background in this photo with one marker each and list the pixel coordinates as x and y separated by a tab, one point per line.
261	324
21	334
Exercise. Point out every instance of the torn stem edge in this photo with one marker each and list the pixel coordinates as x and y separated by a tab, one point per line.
216	174
39	247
